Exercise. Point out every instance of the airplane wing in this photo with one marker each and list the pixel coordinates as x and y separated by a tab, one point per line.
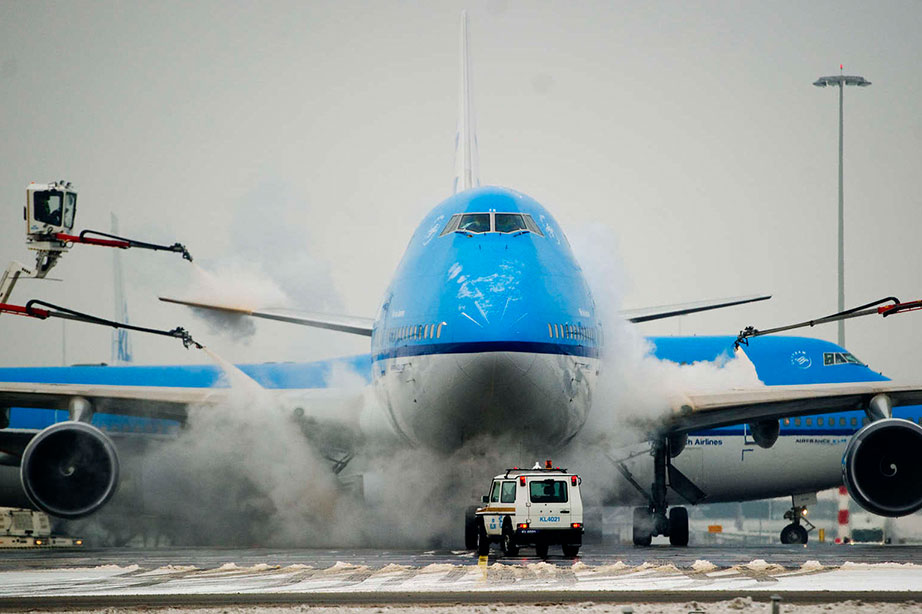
343	324
713	410
172	403
646	314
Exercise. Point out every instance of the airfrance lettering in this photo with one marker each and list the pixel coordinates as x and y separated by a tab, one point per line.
705	441
823	441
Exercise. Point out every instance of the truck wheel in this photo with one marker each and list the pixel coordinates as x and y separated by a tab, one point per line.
470	528
541	550
509	546
483	540
570	550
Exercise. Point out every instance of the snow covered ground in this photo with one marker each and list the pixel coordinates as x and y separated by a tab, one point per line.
341	577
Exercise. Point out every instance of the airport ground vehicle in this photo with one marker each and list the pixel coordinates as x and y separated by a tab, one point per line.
536	507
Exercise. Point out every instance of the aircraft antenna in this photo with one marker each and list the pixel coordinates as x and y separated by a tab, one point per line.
466	171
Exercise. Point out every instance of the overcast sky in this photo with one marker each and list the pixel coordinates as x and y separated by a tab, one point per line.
296	145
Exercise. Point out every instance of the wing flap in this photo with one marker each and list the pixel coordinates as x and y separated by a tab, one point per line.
344	324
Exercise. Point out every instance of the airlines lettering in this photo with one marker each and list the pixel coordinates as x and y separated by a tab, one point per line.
705	441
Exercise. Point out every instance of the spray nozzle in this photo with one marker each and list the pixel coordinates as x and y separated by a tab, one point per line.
182	334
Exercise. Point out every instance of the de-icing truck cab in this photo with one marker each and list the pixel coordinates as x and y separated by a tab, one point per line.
532	507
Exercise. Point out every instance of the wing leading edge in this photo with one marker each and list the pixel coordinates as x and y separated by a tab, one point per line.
646	314
344	324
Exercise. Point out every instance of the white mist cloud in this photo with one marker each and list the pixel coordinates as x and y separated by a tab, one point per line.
634	384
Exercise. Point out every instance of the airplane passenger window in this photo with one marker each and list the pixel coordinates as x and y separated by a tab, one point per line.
509	222
508	495
475	222
819	422
809	422
796	421
550	330
841	421
787	422
854	421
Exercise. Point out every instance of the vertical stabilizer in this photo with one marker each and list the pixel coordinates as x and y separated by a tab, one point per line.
466	171
121	342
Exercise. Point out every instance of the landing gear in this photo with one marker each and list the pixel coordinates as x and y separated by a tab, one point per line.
643	526
795	533
652	520
678	526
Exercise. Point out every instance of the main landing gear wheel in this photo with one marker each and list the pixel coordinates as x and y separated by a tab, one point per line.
794	534
678	526
643	526
509	547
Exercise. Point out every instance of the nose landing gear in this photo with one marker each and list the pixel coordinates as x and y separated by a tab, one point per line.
796	533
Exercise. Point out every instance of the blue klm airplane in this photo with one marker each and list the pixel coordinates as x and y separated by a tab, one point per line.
489	327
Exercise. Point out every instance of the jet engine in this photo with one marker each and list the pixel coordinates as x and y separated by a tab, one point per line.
70	469
882	467
765	432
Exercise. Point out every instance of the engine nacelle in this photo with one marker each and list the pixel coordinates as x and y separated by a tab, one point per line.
70	469
765	432
882	467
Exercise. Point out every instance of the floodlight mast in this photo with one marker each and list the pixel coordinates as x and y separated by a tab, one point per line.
841	80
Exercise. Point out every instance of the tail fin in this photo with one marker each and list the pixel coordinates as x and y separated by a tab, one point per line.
121	342
466	171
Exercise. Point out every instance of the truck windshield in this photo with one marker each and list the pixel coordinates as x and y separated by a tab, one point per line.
47	207
548	491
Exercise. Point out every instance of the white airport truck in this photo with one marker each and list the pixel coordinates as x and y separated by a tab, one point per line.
536	507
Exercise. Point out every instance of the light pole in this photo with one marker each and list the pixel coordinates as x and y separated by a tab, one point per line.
841	80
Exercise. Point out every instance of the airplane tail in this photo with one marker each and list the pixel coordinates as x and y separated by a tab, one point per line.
466	171
121	342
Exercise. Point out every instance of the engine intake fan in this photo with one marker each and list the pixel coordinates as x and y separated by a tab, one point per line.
70	469
882	467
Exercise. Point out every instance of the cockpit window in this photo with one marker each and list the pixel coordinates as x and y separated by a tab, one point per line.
530	224
475	222
478	223
509	222
452	224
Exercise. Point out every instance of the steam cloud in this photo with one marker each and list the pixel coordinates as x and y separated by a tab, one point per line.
252	473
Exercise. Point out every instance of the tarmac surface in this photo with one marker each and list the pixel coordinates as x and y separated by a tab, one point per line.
187	578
